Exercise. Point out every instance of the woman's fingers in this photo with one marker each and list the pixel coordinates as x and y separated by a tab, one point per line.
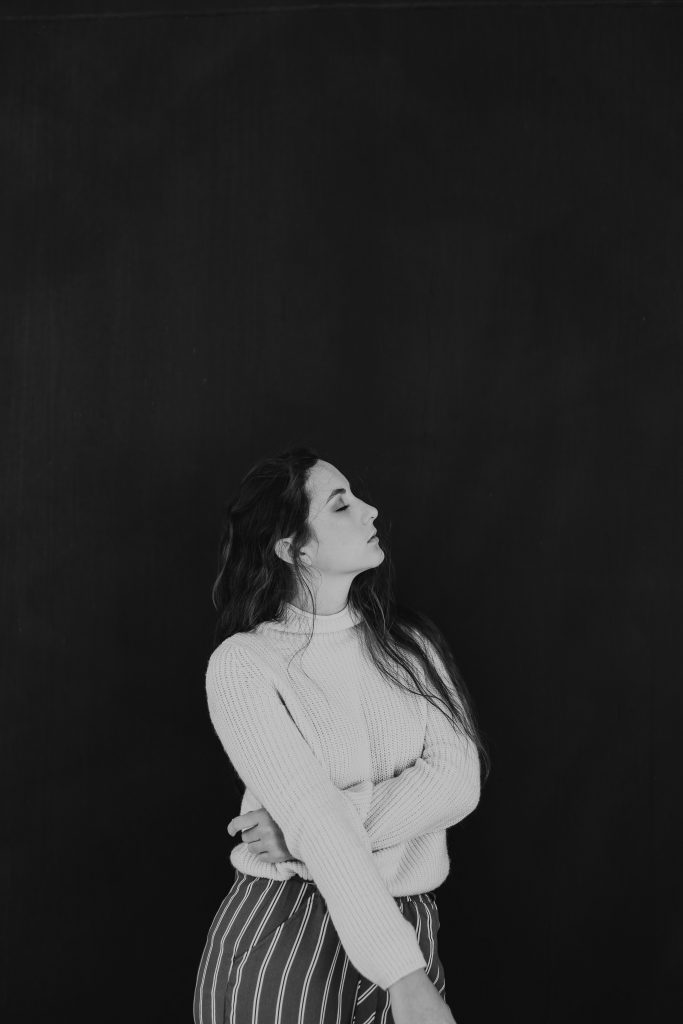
245	821
266	841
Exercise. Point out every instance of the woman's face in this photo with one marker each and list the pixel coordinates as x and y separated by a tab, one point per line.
342	525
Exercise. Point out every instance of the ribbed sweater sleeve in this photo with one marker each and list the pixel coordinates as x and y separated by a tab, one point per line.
441	788
320	826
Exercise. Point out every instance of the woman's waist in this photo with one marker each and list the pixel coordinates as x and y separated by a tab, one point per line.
405	872
309	884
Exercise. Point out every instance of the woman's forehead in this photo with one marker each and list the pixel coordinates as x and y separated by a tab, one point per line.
323	479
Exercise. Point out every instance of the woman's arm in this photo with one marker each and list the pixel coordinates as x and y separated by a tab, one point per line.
320	828
441	788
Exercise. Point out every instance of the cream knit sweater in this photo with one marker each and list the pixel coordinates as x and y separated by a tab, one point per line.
362	778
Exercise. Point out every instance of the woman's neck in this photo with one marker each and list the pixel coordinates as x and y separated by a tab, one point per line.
295	620
331	597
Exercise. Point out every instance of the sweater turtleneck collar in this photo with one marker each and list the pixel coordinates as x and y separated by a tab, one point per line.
296	620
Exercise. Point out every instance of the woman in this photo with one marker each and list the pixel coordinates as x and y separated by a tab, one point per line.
324	695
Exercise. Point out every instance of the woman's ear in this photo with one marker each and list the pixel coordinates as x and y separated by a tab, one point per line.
283	549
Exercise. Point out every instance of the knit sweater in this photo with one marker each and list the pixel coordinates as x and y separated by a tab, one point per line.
362	777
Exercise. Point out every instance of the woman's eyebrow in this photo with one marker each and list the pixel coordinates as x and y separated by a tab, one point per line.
338	490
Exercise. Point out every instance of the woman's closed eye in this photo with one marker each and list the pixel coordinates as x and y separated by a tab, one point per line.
341	508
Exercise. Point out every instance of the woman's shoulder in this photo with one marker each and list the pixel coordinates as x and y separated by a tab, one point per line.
437	651
421	636
239	655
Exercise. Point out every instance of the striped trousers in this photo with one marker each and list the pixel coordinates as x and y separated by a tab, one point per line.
273	956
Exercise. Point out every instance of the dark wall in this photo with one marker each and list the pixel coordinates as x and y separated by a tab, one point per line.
443	245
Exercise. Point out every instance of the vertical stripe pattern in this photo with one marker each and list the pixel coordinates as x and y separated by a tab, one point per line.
273	956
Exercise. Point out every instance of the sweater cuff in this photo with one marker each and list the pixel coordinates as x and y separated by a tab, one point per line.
360	797
408	967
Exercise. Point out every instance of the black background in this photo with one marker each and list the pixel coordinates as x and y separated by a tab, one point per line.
442	244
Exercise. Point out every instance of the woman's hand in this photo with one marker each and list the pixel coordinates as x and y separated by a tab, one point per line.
415	998
262	835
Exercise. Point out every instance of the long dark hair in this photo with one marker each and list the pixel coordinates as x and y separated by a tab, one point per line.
254	583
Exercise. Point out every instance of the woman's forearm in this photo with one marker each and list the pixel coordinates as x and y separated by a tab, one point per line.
423	798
